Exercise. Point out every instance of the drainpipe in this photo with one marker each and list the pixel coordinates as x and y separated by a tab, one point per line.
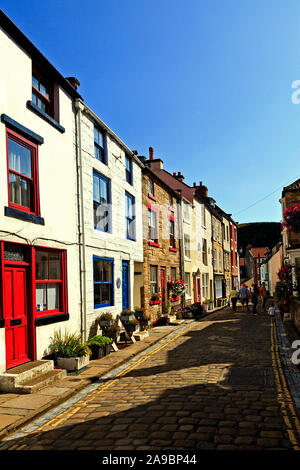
181	247
79	107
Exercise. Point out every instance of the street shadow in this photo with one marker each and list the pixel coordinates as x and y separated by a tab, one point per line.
180	418
176	399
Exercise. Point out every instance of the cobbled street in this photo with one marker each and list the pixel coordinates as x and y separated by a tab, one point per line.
212	387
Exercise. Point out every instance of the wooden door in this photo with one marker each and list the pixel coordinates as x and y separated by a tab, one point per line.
15	316
163	287
125	285
198	290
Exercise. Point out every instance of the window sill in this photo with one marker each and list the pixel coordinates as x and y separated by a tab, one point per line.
156	245
27	133
45	116
152	197
187	222
25	216
187	259
47	320
173	249
155	302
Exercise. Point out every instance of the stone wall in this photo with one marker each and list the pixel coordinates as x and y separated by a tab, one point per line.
160	256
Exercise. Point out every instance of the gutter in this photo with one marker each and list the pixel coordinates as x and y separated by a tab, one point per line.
88	111
81	233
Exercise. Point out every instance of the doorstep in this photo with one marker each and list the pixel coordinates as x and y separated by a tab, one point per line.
17	410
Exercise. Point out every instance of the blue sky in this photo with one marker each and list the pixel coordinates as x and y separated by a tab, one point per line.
208	84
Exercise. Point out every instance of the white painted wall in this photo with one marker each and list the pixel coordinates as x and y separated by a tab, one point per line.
57	179
111	245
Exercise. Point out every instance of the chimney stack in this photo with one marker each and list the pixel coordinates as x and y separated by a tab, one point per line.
179	176
151	153
74	82
201	189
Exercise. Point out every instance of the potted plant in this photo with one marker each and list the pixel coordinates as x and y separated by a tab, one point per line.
131	325
142	318
112	332
105	319
139	313
100	346
155	298
211	303
69	350
127	315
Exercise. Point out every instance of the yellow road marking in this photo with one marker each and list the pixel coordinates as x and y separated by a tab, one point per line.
67	414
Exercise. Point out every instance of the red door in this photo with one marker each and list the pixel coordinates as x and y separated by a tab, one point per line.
15	316
198	290
162	285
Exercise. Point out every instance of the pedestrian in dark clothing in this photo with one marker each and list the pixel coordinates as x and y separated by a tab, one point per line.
234	298
254	297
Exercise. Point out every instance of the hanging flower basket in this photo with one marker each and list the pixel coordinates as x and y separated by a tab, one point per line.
177	287
285	273
291	219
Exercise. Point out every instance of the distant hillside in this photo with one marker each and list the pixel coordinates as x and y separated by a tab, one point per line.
259	234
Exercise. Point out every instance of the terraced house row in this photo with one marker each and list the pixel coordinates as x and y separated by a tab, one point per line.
86	224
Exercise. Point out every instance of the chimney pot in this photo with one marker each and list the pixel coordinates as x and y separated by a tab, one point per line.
135	152
151	153
74	82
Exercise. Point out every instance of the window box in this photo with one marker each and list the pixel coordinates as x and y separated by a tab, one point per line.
155	302
173	249
152	197
175	299
157	245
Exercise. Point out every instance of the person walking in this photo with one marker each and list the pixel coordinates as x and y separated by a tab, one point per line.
272	312
244	295
263	295
234	297
254	298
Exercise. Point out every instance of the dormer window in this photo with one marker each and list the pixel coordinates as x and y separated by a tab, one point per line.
41	94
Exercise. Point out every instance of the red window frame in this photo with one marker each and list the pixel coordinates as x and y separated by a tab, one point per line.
63	307
36	92
35	208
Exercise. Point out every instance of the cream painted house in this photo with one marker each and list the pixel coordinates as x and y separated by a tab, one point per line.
111	226
204	274
39	253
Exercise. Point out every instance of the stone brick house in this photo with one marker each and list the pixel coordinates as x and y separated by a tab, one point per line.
162	246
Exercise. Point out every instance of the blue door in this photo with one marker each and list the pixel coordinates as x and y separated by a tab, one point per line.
125	285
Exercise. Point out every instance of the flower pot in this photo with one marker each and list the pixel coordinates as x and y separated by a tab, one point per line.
126	317
97	352
104	323
107	349
73	363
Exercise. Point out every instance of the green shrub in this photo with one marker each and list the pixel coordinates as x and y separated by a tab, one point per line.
68	345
